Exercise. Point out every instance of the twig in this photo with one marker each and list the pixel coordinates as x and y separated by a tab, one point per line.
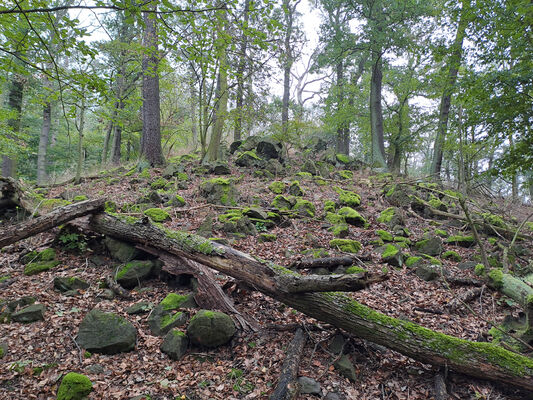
506	250
474	231
78	346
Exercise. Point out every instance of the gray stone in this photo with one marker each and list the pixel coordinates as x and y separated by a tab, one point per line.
332	396
131	274
175	344
106	333
119	250
346	368
211	328
295	189
172	170
427	272
268	148
20	303
3	349
162	320
431	246
274	167
256	212
309	385
206	227
32	313
336	344
467	265
68	283
249	159
310	166
219	191
220	169
96	369
141	307
234	146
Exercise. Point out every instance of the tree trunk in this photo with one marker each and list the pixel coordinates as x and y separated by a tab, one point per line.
222	91
59	216
341	124
452	67
107	139
237	133
480	360
151	131
116	153
288	60
14	104
81	127
376	112
43	142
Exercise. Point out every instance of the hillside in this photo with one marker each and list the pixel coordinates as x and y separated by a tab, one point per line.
286	211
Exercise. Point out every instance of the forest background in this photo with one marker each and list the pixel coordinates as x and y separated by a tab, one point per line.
441	88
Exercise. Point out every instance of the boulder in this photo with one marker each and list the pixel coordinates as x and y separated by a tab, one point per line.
106	333
427	272
175	344
267	149
172	170
304	208
309	386
392	255
310	167
131	274
66	283
431	246
166	316
35	268
211	328
346	245
32	313
120	250
352	217
274	167
74	387
249	159
345	367
461	240
295	189
234	146
141	307
220	168
255	212
219	191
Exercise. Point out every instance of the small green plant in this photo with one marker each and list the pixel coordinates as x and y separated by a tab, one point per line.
260	226
73	241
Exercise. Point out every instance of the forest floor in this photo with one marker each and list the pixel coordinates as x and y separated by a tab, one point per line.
41	353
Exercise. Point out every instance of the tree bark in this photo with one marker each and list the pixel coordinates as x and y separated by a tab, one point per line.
43	141
237	133
14	103
445	103
480	360
288	387
81	127
288	60
376	112
14	233
151	131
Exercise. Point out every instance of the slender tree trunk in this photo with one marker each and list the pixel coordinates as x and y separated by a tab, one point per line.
81	127
288	60
237	133
461	166
117	144
14	103
452	67
151	132
194	120
107	139
376	112
341	125
43	142
222	92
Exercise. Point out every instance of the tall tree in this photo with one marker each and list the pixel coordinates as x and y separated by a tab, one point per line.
241	69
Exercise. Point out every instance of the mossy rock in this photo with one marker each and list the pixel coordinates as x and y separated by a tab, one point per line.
175	344
267	237
3	349
120	250
431	246
219	191
451	255
48	254
305	175
310	167
106	333
34	268
249	159
329	206
171	170
340	230
304	208
240	227
348	198
134	272
160	183
345	174
342	158
66	283
352	217
427	272
437	203
74	386
354	269
346	245
391	217
461	240
165	316
28	314
176	201
295	189
441	232
384	235
157	214
334	219
175	301
391	255
79	198
413	261
141	307
316	253
281	202
211	328
277	187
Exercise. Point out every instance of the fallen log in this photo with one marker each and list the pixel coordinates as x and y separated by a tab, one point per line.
480	360
326	262
23	230
329	283
288	387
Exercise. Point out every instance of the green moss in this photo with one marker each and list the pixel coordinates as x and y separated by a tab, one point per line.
49	204
329	206
281	202
81	197
345	174
346	245
159	183
342	158
4	278
352	217
47	255
354	269
340	230
496	277
231	215
402	239
436	203
386	215
390	251
267	237
451	255
277	187
182	176
34	268
493	219
384	235
2	353
173	301
316	253
74	387
193	243
304	208
250	153
295	189
167	320
157	214
348	198
110	206
432	260
479	269
457	351
460	239
304	175
177	332
441	233
412	261
334	218
145	174
319	181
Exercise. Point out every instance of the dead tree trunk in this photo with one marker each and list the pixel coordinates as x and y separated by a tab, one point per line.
288	388
480	360
14	233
